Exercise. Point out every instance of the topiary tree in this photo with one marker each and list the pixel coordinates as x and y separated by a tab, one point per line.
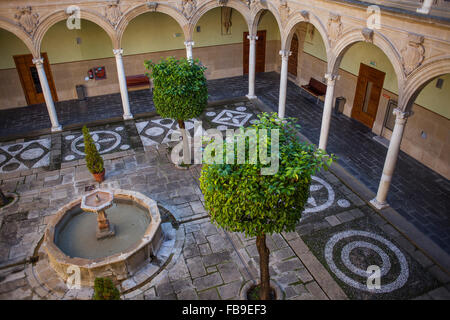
94	161
180	92
3	199
104	289
239	198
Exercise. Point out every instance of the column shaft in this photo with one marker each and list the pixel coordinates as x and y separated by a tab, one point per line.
122	84
327	109
283	82
189	45
251	66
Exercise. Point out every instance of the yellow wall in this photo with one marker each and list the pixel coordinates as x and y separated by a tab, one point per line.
10	46
60	43
431	98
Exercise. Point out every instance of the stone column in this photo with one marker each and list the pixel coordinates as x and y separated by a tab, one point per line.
327	109
251	66
189	45
391	159
122	84
39	62
283	82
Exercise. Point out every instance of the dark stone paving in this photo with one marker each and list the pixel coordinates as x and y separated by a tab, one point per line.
417	193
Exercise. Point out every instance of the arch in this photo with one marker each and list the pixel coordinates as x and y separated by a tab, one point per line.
141	9
420	78
238	6
291	26
60	15
256	17
383	43
19	33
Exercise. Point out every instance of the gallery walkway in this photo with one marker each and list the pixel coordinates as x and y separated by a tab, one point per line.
419	194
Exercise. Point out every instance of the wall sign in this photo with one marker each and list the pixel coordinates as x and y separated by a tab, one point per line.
100	73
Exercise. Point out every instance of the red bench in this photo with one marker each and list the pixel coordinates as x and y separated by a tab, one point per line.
138	81
316	88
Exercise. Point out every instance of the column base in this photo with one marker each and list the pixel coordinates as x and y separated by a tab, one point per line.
56	129
379	205
251	97
127	116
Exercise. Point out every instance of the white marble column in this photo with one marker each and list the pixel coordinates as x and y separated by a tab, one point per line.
189	45
122	84
251	66
391	159
47	94
283	82
327	109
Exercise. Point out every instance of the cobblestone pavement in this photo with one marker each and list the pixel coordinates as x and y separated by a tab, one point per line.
326	257
418	193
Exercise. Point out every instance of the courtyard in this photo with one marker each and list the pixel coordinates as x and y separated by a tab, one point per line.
326	257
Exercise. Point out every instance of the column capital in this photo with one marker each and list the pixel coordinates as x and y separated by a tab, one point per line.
401	116
252	37
189	43
38	61
331	78
285	54
118	51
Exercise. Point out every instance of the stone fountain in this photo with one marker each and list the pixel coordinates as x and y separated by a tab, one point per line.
98	202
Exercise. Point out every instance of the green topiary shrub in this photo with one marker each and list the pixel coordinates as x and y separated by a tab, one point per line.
241	199
180	91
104	289
94	160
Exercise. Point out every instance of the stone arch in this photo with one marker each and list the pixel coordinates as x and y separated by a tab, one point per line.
299	18
237	5
60	15
353	36
256	17
420	78
19	33
141	9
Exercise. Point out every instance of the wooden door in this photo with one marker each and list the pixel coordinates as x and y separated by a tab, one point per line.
293	58
30	79
367	95
260	52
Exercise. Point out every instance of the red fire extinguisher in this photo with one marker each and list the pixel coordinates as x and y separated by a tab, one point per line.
91	74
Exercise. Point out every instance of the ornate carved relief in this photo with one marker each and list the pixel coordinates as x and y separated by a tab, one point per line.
226	20
305	14
222	2
284	11
152	5
112	12
187	7
27	19
334	26
367	34
413	53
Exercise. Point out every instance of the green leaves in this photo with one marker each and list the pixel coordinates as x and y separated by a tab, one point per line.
180	89
240	199
94	161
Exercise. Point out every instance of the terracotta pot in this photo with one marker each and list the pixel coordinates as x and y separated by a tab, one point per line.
99	177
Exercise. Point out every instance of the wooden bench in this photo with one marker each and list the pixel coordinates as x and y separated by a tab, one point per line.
316	88
138	80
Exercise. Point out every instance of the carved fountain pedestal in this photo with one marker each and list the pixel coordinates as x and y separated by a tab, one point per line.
98	202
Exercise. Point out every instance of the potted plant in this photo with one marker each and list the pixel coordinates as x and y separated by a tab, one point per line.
4	200
180	93
94	160
242	198
104	289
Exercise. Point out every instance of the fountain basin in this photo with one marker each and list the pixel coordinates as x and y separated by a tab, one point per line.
144	236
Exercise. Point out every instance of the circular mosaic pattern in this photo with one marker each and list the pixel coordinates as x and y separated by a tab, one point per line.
70	157
2	158
154	131
118	129
241	108
222	128
11	166
315	203
31	154
15	148
399	281
70	137
124	147
343	203
105	141
210	114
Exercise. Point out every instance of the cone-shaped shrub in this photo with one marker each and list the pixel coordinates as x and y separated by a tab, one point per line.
104	289
94	161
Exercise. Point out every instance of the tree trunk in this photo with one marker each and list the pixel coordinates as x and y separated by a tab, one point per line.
264	267
3	198
186	145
